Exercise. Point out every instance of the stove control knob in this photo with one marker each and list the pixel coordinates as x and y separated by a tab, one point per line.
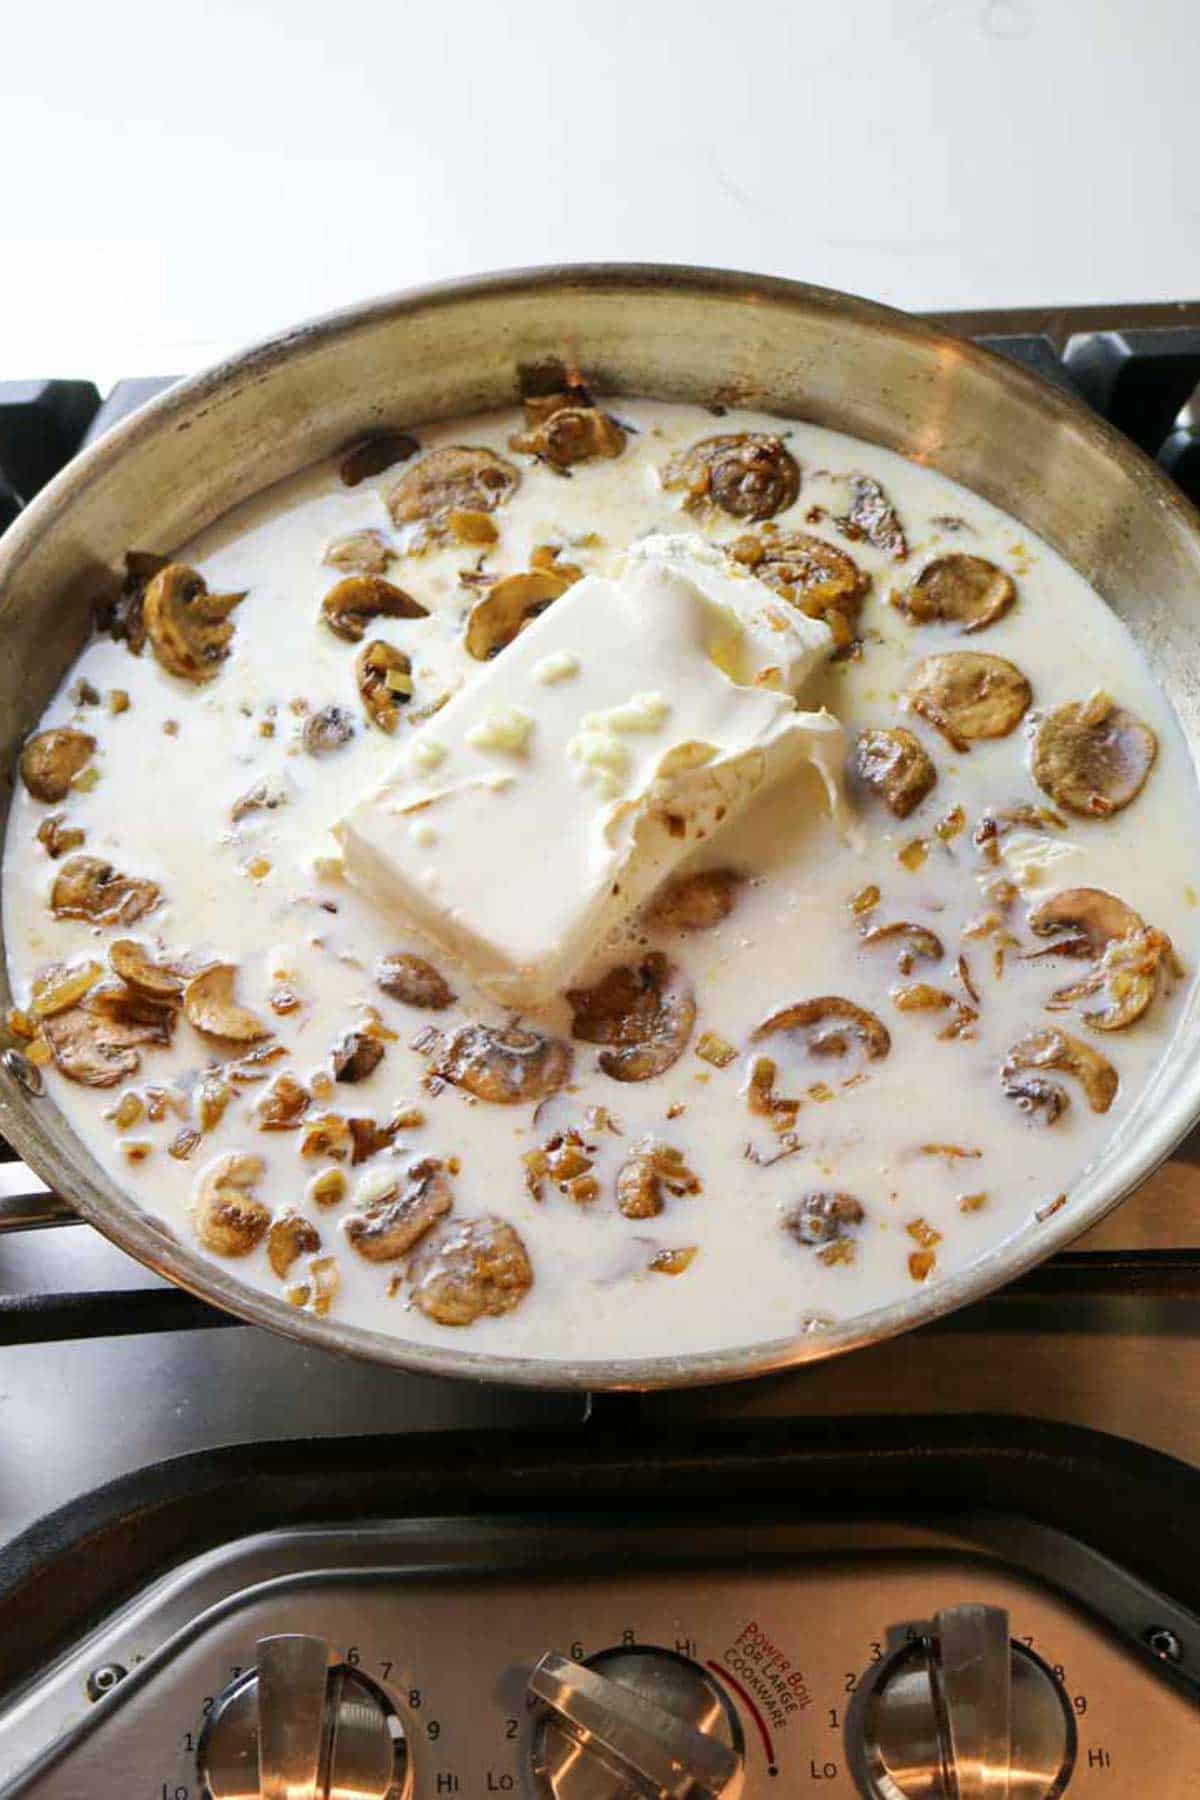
633	1722
963	1713
301	1726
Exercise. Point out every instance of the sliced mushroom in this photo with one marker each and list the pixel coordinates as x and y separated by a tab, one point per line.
414	982
190	630
458	478
384	676
1084	921
392	1223
695	902
831	1022
283	1105
290	1237
896	765
128	1018
467	1269
653	1169
52	759
646	1012
123	618
969	695
871	516
372	455
1093	757
229	1219
85	1049
967	591
749	475
133	962
57	837
209	1005
86	887
506	1066
362	552
509	605
920	996
814	575
355	1056
562	429
1054	1049
822	1218
1129	973
913	941
328	730
350	605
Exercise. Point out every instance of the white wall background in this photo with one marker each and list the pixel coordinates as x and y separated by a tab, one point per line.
180	178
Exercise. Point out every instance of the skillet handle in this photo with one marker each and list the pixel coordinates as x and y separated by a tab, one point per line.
27	1204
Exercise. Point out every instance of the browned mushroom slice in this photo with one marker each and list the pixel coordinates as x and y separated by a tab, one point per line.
209	1005
1129	974
328	730
86	1049
468	1269
127	1017
562	429
385	682
393	1222
920	996
283	1105
969	695
86	887
355	1056
823	581
458	478
895	764
364	552
57	837
1036	1097
822	1218
189	629
229	1219
911	940
645	1012
654	1169
290	1237
508	606
830	1023
133	962
51	760
695	902
1084	921
350	605
968	591
505	1066
749	475
871	516
1039	1050
1092	756
414	982
372	455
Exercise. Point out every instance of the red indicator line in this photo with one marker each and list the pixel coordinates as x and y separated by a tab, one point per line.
751	1708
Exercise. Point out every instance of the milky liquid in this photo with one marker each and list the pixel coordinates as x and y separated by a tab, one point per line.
162	808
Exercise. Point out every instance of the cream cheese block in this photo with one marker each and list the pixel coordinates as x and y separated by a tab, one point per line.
623	728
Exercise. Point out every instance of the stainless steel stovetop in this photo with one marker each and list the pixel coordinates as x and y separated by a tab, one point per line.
778	1569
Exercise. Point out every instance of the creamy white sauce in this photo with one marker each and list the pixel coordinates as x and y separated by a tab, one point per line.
161	807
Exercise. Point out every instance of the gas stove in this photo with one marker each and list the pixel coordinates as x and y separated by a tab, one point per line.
233	1566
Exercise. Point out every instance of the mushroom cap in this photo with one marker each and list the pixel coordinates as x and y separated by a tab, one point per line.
51	760
851	1021
353	602
563	429
393	1222
289	1237
810	573
1092	913
968	591
506	1066
87	887
469	1268
209	1005
190	630
1054	1049
749	475
647	1012
968	695
229	1219
137	967
508	605
897	766
456	477
1093	757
